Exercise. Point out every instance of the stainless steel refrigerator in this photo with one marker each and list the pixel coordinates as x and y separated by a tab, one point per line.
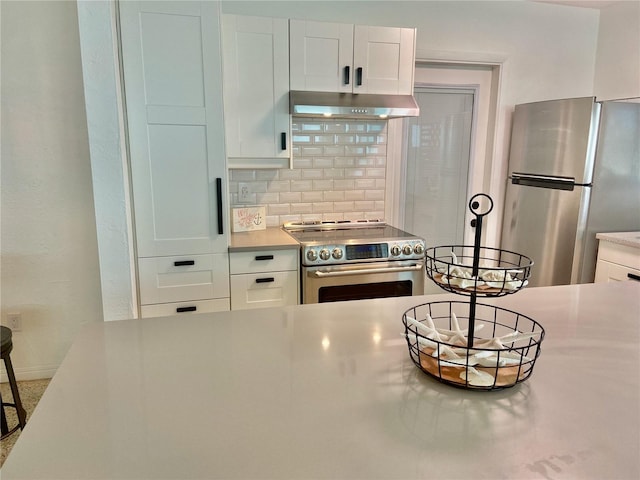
574	171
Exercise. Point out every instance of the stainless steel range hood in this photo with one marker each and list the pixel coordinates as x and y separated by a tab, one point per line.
352	105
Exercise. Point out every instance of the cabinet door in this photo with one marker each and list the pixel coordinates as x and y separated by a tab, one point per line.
173	79
321	56
383	60
256	87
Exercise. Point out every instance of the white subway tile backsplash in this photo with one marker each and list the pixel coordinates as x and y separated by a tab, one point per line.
343	184
333	195
339	162
354	172
292	197
324	139
343	206
354	194
323	185
311	173
301	207
270	174
323	207
311	151
353	150
312	197
280	186
333	173
302	162
267	198
334	150
278	209
301	185
290	173
339	169
323	162
363	183
364	205
376	172
374	195
335	127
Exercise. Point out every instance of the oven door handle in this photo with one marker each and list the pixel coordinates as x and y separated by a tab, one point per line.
341	273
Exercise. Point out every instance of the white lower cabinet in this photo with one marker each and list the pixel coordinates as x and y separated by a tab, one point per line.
183	284
264	278
617	262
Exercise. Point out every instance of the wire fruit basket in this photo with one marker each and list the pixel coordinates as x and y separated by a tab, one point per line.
468	344
503	351
500	272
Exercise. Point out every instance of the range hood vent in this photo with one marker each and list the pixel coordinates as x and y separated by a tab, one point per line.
352	105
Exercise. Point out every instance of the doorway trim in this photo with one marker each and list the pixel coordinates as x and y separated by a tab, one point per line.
492	165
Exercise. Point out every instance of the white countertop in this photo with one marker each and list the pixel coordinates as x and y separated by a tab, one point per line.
631	239
272	238
329	391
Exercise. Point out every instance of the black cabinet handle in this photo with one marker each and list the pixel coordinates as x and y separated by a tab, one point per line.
264	257
633	276
184	263
283	140
219	202
186	309
347	74
265	280
359	76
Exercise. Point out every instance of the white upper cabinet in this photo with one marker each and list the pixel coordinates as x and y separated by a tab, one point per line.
173	84
256	91
334	57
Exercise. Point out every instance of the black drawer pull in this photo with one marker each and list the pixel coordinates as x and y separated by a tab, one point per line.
186	309
184	263
347	74
359	76
283	141
265	280
633	276
264	257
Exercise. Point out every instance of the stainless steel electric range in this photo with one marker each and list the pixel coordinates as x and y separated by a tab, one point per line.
354	260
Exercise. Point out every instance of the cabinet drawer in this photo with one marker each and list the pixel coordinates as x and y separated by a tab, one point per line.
185	308
183	278
612	272
620	254
258	290
263	261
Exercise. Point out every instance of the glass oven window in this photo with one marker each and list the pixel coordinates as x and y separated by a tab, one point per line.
339	293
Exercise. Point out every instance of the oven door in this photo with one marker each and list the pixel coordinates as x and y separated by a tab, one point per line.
362	281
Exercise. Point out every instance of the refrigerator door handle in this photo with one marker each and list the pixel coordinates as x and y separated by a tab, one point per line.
546	181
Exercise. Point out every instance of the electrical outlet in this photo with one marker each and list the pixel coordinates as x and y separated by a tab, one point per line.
244	193
14	321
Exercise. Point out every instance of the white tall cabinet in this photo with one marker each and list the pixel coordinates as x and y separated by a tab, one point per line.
256	91
173	89
335	57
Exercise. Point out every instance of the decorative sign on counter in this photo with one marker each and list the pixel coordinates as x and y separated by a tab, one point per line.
247	219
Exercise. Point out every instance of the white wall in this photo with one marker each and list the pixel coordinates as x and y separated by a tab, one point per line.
49	269
618	55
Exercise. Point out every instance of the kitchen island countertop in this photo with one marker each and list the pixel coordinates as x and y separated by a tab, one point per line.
329	391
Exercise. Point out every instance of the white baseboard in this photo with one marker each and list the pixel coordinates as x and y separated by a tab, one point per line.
31	373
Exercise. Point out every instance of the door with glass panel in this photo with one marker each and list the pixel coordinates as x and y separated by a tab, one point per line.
437	166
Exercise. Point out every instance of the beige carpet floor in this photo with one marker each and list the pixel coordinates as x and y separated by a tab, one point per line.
30	393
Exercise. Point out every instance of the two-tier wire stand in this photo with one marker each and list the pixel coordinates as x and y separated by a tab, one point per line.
467	344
